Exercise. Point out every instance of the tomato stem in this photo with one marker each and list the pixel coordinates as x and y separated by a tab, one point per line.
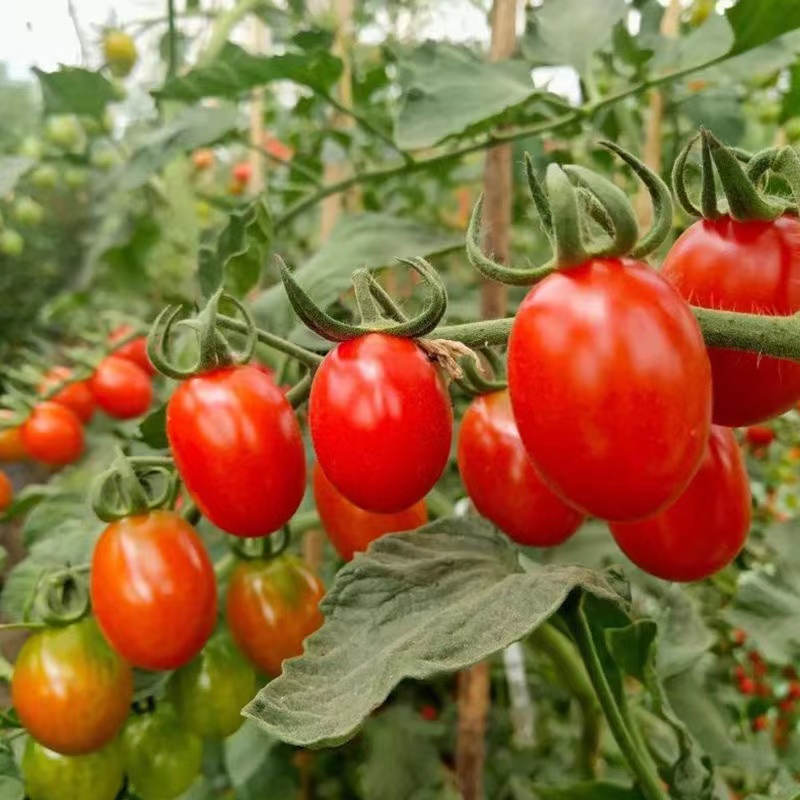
640	764
295	351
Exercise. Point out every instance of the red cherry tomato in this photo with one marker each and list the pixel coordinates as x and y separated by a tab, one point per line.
705	528
272	606
238	449
241	172
122	389
759	435
135	350
349	527
71	690
53	435
153	590
6	491
501	481
77	397
381	422
610	387
752	267
12	447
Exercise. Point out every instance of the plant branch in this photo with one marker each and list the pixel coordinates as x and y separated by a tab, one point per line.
275	342
286	162
172	63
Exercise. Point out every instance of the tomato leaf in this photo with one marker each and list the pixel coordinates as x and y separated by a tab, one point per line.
259	765
72	90
11	787
235	72
153	429
756	22
414	605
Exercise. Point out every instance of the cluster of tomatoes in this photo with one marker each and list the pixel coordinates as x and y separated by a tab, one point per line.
240	175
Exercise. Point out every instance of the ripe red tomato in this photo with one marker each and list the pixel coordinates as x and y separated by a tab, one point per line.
53	435
705	528
752	267
350	528
610	386
77	397
203	158
759	435
272	606
135	350
238	449
6	491
51	776
501	481
71	690
381	422
122	389
12	447
153	590
241	172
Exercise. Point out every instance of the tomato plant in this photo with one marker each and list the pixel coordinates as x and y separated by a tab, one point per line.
501	481
236	442
71	690
153	590
76	395
272	606
52	776
53	435
381	422
350	528
121	388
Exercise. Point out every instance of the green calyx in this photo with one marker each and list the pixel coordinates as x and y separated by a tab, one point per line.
584	216
62	597
134	486
262	548
379	312
476	379
730	180
214	348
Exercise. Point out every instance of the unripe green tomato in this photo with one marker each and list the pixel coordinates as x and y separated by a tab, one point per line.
107	122
64	131
768	113
51	776
120	52
31	147
203	210
11	243
45	177
162	759
210	692
27	211
75	178
792	128
104	157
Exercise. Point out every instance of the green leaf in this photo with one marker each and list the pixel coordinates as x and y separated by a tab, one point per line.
259	766
153	429
12	168
633	649
790	106
235	72
447	90
11	787
594	790
414	605
756	22
198	126
72	90
241	251
719	110
358	240
567	32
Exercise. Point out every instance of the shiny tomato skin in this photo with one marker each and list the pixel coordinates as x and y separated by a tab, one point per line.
162	759
501	481
6	491
705	528
610	386
238	448
350	528
153	590
12	447
135	350
381	422
210	692
752	267
72	692
77	397
51	776
121	388
53	435
272	606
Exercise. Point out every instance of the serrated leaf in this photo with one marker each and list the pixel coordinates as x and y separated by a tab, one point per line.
153	429
414	605
756	22
358	240
235	72
448	89
72	90
12	168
